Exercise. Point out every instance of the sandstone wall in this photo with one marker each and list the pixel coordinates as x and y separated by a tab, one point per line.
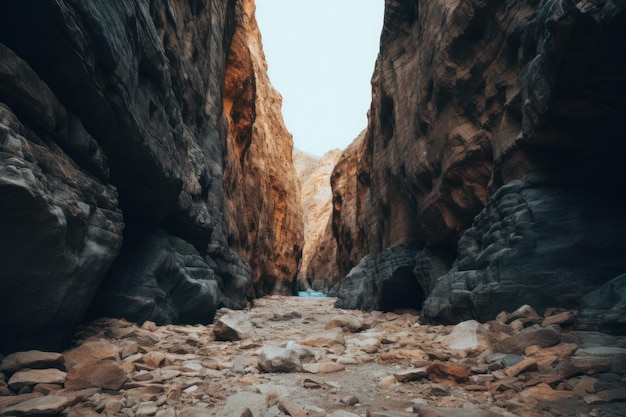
471	95
117	185
318	269
262	193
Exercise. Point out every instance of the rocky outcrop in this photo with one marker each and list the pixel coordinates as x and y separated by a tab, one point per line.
470	96
349	187
318	269
541	240
605	308
262	194
383	281
116	169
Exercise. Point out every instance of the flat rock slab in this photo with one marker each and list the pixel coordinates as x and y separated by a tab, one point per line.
323	367
105	374
50	404
287	359
30	377
517	343
32	359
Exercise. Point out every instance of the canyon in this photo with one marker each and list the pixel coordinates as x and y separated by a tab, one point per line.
147	176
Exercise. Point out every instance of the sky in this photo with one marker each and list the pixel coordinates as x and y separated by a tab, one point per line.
321	56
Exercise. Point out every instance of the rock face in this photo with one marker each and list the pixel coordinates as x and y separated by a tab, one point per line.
118	170
262	198
349	187
541	240
383	281
318	269
470	96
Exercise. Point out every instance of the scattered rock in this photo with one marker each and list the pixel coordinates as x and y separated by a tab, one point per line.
32	359
447	372
105	374
287	359
467	336
328	338
49	404
322	367
412	374
347	322
233	326
91	350
517	343
31	377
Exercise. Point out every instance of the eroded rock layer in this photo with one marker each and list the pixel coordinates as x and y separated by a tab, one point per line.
318	268
113	153
471	95
262	191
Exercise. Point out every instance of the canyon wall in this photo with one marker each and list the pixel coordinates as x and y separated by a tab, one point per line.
119	170
262	192
509	111
318	269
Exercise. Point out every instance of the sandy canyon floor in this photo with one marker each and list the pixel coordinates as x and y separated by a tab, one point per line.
301	356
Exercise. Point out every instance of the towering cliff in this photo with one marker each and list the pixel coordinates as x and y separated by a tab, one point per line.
262	193
118	168
318	269
506	110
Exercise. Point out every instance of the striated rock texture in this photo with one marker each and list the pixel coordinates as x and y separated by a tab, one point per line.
318	269
383	281
349	188
471	95
262	190
113	153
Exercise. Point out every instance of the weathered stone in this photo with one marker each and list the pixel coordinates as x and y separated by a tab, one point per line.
244	404
330	337
517	343
287	359
468	336
49	404
232	326
447	372
91	350
387	381
32	359
290	408
528	364
411	374
153	359
31	377
322	367
347	322
562	319
106	374
608	396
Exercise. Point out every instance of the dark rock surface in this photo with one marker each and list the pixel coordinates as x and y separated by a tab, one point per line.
605	308
113	148
469	96
383	281
60	222
541	241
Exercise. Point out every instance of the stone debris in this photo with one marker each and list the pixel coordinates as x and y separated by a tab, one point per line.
394	368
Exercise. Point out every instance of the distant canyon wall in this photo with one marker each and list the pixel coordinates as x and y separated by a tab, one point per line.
136	145
509	111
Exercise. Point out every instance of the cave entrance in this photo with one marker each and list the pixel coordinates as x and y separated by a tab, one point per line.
401	291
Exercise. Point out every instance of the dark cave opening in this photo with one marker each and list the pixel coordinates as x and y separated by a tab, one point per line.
401	291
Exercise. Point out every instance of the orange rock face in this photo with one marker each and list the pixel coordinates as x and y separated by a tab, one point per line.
319	267
262	194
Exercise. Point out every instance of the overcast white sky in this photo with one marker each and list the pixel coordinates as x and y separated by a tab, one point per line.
321	56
